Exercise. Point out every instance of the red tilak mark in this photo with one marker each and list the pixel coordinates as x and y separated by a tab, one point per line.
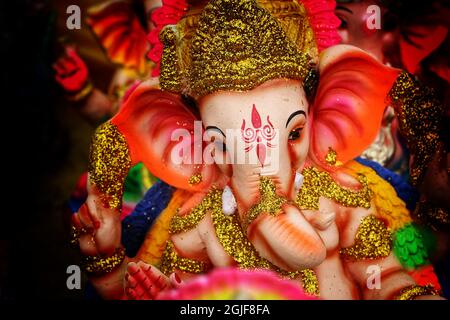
258	135
261	153
256	118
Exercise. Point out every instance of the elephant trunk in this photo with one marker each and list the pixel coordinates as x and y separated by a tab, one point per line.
285	237
287	240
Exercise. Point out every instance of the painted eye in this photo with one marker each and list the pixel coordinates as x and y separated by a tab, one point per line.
222	147
295	134
343	24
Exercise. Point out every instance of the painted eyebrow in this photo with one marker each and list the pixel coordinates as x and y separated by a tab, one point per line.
344	9
296	113
216	129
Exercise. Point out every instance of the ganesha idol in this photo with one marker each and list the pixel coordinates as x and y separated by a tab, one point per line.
303	208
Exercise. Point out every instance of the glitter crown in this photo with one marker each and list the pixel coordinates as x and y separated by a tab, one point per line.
236	45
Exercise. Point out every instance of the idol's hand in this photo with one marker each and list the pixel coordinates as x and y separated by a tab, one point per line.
99	227
71	72
146	282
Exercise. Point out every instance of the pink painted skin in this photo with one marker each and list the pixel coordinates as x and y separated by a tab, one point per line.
261	135
345	116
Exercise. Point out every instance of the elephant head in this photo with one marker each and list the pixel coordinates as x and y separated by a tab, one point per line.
275	124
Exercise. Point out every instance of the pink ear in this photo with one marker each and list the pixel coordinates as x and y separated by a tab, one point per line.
147	119
349	104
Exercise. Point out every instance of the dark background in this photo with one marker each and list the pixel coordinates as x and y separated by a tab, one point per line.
46	145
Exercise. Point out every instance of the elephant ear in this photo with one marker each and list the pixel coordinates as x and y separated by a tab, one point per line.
349	104
159	129
143	131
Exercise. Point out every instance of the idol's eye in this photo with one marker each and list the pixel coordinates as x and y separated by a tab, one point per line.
343	24
295	134
220	146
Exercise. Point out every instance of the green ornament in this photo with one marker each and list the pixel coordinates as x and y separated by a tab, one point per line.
410	246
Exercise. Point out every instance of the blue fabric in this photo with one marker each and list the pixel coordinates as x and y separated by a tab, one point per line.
136	225
75	203
404	190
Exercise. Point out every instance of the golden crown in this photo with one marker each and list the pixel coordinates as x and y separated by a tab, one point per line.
236	45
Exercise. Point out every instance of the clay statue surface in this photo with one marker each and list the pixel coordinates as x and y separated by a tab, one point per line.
259	132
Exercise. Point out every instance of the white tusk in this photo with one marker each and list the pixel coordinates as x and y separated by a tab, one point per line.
298	181
228	201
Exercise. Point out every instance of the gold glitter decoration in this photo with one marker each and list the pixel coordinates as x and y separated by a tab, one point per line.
372	241
182	223
331	157
171	261
385	199
109	163
195	179
319	183
74	236
269	203
431	215
236	244
237	46
99	265
420	117
232	238
170	75
291	15
411	292
294	19
310	282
